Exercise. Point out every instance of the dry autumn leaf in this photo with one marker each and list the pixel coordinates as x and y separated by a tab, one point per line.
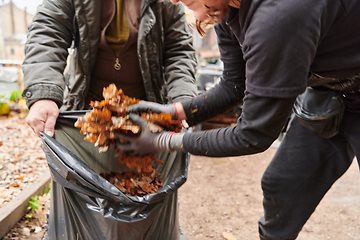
228	236
15	185
110	116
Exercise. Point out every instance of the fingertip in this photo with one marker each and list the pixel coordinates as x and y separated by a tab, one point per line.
49	132
134	117
184	124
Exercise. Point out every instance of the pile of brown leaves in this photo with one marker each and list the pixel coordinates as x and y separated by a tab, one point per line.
136	184
111	116
107	116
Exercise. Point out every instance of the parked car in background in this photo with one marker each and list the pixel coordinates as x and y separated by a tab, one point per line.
208	75
11	76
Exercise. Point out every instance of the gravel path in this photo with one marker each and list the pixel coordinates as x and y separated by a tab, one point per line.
22	160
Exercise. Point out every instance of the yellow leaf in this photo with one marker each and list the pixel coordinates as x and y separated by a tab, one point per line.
22	102
4	109
228	236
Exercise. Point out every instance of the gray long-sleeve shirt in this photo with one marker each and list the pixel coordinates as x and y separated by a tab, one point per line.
269	48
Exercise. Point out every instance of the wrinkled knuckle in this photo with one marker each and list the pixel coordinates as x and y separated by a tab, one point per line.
29	121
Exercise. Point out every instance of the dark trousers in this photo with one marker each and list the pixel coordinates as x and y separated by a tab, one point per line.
301	172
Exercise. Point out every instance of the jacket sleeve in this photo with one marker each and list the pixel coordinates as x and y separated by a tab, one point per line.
46	51
225	95
229	92
179	55
259	125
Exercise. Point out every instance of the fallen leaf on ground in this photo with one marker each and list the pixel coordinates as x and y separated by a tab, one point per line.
228	236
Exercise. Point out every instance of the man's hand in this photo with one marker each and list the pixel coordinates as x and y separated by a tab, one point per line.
175	109
42	117
147	142
144	106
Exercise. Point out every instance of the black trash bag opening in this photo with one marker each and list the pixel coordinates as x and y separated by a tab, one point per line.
73	169
84	205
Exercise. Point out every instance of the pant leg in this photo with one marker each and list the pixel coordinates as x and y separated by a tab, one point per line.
301	172
351	130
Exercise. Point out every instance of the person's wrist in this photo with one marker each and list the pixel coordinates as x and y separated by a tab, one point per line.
169	141
176	112
180	111
176	142
162	141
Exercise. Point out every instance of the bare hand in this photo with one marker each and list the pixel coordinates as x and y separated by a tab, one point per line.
42	117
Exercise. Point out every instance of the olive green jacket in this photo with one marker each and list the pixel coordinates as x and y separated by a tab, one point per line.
166	55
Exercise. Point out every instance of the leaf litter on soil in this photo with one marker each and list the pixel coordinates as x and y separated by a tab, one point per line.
22	161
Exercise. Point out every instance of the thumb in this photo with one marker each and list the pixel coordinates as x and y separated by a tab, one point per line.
50	125
138	120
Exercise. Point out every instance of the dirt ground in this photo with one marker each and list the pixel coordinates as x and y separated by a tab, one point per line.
223	196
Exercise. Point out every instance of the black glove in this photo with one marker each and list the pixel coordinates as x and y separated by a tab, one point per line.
148	142
144	106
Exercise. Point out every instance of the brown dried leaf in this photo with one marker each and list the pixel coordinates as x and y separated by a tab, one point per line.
228	236
134	183
110	115
15	185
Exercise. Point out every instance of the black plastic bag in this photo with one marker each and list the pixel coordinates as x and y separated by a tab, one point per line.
86	206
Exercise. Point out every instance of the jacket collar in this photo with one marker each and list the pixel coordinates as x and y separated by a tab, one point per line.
145	4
